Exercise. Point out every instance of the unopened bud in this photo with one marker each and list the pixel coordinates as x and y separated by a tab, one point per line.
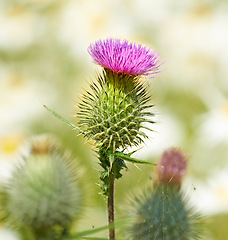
172	167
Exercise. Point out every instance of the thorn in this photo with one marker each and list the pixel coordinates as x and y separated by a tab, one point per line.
170	179
137	167
42	103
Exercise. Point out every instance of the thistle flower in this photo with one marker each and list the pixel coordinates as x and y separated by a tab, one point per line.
42	195
116	109
164	214
172	167
124	57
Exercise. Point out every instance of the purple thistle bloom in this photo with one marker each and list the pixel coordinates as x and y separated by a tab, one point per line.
124	57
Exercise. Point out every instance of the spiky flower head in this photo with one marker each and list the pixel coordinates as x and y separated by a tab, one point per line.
43	144
115	111
43	193
172	167
124	57
164	214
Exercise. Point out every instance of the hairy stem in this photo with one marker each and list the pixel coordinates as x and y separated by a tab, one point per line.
111	207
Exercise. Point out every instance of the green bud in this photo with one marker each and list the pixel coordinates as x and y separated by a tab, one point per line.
164	215
114	112
43	192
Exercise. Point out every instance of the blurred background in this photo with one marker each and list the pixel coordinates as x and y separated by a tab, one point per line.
44	60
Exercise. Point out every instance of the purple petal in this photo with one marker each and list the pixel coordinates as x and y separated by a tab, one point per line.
124	57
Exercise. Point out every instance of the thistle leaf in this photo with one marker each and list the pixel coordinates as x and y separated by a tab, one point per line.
86	233
126	157
64	120
92	238
111	157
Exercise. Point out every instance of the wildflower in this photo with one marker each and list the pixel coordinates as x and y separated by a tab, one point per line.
42	194
116	109
163	213
124	57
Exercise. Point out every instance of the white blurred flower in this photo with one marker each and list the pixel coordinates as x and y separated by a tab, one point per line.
167	132
7	234
214	125
82	22
212	197
11	144
79	21
196	38
18	28
147	11
20	100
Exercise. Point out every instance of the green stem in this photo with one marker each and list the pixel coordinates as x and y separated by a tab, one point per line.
111	207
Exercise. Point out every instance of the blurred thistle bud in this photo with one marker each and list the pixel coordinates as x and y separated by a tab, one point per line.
43	192
43	144
171	167
163	214
116	109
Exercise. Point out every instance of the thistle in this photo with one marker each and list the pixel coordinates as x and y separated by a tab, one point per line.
124	57
114	112
42	195
164	214
116	109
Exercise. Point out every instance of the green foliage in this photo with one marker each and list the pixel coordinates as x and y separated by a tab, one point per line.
111	166
113	163
217	226
164	215
65	120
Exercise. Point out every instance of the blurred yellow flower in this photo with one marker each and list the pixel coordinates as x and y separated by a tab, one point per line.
10	144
